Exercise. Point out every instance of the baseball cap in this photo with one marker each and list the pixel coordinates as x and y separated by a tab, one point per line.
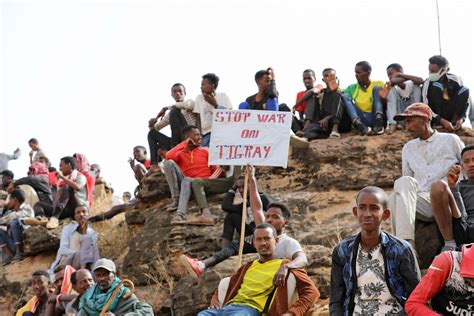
467	262
416	109
106	264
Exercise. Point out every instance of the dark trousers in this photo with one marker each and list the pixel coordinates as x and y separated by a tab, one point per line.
450	110
64	205
232	223
232	250
157	140
296	124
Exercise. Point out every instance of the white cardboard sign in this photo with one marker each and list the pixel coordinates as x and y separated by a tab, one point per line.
241	137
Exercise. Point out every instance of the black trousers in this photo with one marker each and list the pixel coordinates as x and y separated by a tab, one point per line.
449	109
232	223
232	250
65	205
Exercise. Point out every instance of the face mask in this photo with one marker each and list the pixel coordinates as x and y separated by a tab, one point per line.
436	75
93	172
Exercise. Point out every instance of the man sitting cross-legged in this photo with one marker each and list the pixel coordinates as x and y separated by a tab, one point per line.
278	216
78	245
251	288
372	273
453	203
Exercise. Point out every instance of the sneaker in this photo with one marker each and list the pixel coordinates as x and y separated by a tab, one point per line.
378	126
18	257
178	219
192	265
201	221
52	223
363	129
448	248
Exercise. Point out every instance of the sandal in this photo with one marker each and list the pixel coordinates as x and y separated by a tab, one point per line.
178	219
201	221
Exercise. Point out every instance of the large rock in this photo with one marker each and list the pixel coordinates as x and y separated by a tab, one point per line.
154	186
38	239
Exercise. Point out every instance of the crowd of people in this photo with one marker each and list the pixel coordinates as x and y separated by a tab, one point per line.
373	272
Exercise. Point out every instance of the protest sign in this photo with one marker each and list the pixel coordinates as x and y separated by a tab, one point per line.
241	137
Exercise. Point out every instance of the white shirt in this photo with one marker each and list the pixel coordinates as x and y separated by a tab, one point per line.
286	247
205	109
430	160
373	296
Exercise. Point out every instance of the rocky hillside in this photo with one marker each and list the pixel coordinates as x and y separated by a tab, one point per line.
319	185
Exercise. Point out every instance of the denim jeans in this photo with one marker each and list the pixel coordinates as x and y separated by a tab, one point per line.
206	139
14	238
231	310
396	104
368	118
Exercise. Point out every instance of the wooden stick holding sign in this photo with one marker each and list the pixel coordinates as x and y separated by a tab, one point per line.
244	219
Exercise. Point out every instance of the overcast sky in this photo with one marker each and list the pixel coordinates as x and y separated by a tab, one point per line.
85	76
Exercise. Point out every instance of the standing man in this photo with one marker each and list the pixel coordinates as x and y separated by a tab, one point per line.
446	95
176	118
372	273
453	203
37	154
4	158
206	103
72	193
251	290
363	102
425	160
266	99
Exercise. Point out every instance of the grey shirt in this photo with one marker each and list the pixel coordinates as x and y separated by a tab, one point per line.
464	195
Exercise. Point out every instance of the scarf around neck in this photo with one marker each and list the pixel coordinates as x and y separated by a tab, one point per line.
93	301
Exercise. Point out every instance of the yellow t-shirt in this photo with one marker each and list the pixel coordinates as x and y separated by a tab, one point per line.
363	98
257	284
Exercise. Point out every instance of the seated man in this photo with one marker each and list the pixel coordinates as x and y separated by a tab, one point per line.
11	226
81	281
278	216
78	245
403	90
251	288
325	114
140	162
448	285
63	291
38	179
309	80
266	99
36	306
363	102
72	193
372	272
232	205
453	203
4	158
114	211
37	154
31	197
206	102
425	160
186	161
446	96
176	118
108	284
